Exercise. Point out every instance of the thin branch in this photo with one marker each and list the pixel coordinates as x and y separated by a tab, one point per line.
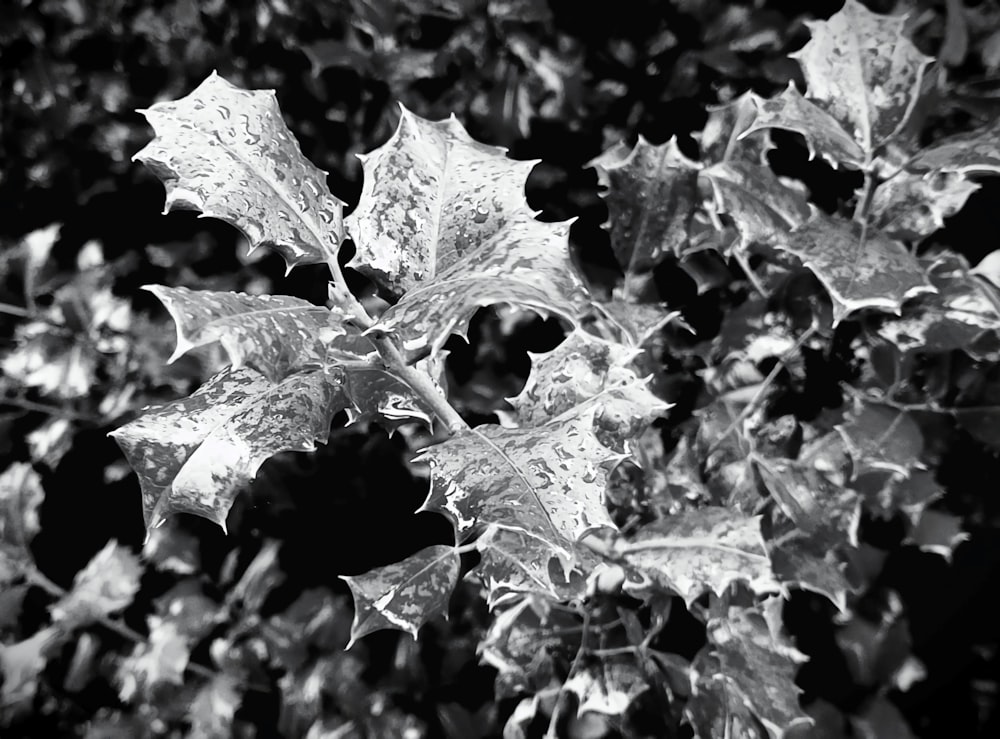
554	719
30	405
418	381
758	398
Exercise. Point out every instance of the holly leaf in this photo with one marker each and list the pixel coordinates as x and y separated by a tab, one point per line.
759	666
227	153
753	196
607	686
972	152
195	454
523	641
722	137
964	309
404	595
864	72
716	708
526	264
823	133
585	371
431	197
21	494
161	659
910	206
273	334
547	482
860	268
699	551
652	193
106	585
510	563
810	500
879	437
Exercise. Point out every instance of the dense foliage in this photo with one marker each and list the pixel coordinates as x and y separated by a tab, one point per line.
661	495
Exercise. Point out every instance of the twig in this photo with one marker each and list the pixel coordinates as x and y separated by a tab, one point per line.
418	381
756	400
550	733
30	405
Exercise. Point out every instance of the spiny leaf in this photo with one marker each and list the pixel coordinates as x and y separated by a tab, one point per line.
585	371
404	595
510	563
523	641
716	707
859	268
810	500
580	368
227	153
879	437
273	334
760	667
702	550
964	309
651	194
823	134
194	455
722	138
525	264
976	151
758	202
865	73
432	196
548	481
909	206
106	585
607	686
21	494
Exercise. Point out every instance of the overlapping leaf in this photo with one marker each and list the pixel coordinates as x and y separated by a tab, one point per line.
274	334
404	595
976	151
226	152
21	494
879	437
584	372
859	267
962	312
652	192
161	659
195	454
702	550
607	686
432	196
744	187
863	76
525	264
911	206
444	220
757	665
